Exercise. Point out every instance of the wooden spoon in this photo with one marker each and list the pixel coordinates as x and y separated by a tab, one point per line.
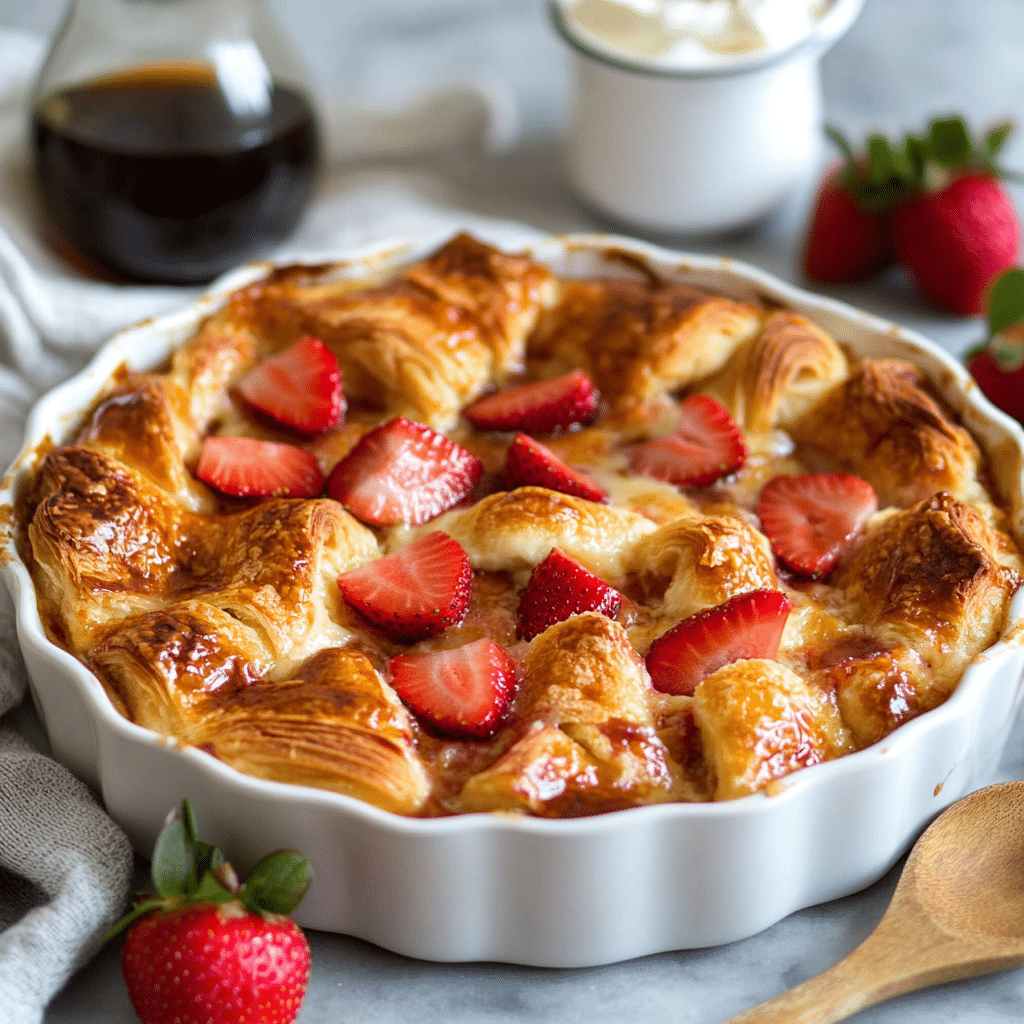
957	912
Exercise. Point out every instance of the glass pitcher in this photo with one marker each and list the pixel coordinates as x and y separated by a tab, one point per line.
172	139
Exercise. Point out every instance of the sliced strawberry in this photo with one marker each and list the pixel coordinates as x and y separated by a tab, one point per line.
746	626
414	593
538	408
299	388
403	472
531	463
811	520
558	588
244	467
706	446
462	691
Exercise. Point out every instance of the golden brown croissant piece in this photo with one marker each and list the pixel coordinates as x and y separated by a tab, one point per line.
161	668
275	567
111	544
511	531
504	292
105	540
334	725
547	772
591	744
194	673
426	343
698	562
584	670
877	687
208	364
640	340
544	772
760	721
779	374
930	576
883	425
139	425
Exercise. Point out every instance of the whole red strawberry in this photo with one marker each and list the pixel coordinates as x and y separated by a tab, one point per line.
932	201
955	241
208	950
847	240
998	365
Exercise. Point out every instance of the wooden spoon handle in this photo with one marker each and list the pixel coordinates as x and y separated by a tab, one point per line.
899	956
833	995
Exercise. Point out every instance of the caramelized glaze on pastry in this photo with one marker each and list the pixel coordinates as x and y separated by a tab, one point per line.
930	576
778	375
640	340
883	424
759	721
423	345
219	623
696	562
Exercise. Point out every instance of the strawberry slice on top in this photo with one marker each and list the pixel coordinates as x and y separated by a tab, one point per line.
529	463
707	445
811	520
403	472
244	467
746	626
539	408
558	588
299	388
415	592
462	691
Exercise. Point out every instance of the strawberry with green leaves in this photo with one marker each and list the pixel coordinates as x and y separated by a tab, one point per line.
207	949
848	237
998	365
934	201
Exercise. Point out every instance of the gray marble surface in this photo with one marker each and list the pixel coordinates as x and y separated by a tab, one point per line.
903	62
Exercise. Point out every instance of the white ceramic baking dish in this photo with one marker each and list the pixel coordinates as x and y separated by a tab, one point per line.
556	893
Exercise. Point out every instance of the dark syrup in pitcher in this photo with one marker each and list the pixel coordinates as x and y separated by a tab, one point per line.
152	176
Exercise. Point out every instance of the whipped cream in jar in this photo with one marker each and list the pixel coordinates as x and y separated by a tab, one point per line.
695	33
695	116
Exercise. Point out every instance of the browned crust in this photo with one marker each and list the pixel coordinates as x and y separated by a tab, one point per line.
884	425
220	623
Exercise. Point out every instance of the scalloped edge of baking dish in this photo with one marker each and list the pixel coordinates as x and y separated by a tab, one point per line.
551	893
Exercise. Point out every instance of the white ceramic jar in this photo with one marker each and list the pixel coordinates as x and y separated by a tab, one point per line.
699	150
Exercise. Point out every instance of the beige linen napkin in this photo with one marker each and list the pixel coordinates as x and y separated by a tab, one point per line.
65	866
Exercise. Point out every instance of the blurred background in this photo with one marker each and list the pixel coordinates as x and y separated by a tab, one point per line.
903	62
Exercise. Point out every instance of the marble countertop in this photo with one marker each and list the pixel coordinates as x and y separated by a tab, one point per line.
903	62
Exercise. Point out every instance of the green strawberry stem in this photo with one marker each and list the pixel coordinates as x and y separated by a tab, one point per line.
887	174
1005	310
185	870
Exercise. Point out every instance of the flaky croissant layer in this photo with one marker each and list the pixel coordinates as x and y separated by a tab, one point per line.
220	623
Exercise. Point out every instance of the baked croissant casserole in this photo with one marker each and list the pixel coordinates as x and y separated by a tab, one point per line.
476	536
